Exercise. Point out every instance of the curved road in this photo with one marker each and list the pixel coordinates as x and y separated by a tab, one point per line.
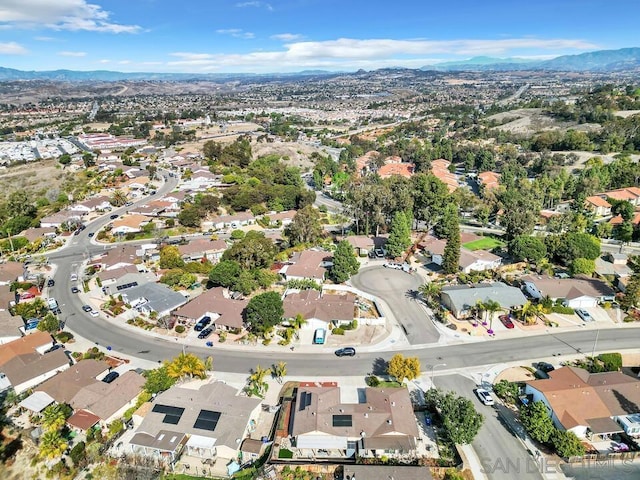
393	291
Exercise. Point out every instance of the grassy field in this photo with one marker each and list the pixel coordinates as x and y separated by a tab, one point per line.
484	243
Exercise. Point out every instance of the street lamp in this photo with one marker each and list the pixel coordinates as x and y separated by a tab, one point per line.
433	368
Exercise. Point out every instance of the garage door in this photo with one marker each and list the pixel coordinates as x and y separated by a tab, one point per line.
583	302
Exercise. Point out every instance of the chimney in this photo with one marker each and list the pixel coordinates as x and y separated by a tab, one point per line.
366	415
389	422
393	404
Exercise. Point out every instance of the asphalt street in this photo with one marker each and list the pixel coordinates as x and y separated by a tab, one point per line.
399	289
501	455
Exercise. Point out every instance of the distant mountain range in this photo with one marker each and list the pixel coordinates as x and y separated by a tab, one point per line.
598	61
601	61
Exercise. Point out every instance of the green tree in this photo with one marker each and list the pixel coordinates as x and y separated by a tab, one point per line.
158	380
401	367
49	323
190	216
430	196
64	159
36	308
305	226
170	257
507	391
345	263
279	370
566	247
567	444
461	421
55	416
253	251
264	311
78	454
399	235
582	266
118	199
537	422
225	273
526	247
186	365
623	232
257	384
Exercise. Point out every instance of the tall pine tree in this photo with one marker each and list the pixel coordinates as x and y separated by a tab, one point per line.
399	235
451	229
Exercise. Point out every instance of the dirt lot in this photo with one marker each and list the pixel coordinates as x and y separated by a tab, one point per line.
527	121
41	176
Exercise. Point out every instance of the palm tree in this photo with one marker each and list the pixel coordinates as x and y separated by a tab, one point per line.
298	322
257	385
491	307
52	445
187	365
208	364
54	417
430	290
118	198
279	370
529	311
479	310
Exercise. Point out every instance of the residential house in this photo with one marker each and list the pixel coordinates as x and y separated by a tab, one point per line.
252	449
381	423
578	292
9	325
80	388
476	260
598	206
225	312
461	299
367	163
237	220
6	296
364	244
319	309
34	233
10	272
138	183
151	209
153	297
618	220
488	180
630	194
440	169
281	219
308	264
390	472
402	169
129	224
110	277
208	423
589	403
57	219
26	362
129	280
117	257
95	204
203	248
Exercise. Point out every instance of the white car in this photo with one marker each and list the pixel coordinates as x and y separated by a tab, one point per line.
94	313
485	396
584	315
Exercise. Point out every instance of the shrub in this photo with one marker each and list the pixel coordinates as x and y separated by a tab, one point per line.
612	361
629	319
372	381
562	309
64	337
180	329
338	331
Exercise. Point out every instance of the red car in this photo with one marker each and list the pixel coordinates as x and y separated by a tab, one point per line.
506	321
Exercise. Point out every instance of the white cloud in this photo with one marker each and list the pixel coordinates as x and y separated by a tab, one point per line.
235	32
287	37
255	4
60	15
12	48
351	54
67	53
104	60
45	39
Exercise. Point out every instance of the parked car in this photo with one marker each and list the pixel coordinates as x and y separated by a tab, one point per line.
74	277
506	321
346	352
114	216
205	333
91	234
55	347
110	377
379	252
75	290
584	315
50	282
86	308
393	265
94	313
485	396
545	367
203	322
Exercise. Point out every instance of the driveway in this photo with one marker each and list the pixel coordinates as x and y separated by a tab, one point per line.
399	289
501	454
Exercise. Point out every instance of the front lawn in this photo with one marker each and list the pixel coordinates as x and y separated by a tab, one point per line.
484	243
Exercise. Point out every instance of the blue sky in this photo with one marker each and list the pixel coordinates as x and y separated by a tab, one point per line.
293	35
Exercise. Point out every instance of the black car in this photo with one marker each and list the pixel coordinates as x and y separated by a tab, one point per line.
91	234
346	352
50	282
110	377
545	367
55	347
75	290
205	333
86	308
203	322
114	216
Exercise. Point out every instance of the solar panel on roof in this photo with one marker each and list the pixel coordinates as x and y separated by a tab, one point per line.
207	420
172	415
342	421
